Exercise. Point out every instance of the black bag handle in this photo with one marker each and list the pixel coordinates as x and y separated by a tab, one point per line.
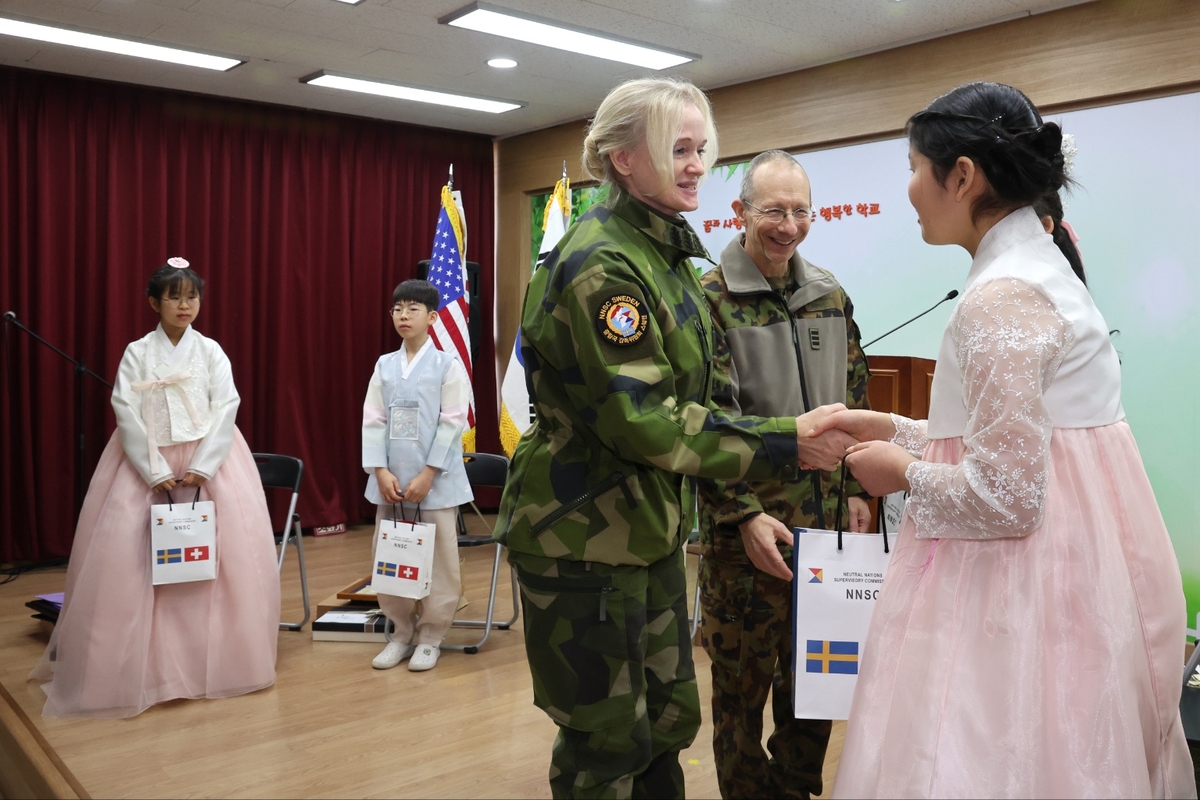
399	516
842	501
171	501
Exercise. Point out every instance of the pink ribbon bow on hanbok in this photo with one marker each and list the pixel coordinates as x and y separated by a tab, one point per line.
148	413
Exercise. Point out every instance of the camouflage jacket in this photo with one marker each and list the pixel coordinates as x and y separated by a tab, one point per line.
778	352
617	344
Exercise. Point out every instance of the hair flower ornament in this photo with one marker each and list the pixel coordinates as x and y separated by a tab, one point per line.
1069	151
178	263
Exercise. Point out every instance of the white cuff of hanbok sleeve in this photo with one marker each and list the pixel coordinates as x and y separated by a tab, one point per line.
910	434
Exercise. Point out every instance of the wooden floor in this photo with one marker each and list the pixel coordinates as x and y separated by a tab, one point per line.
331	726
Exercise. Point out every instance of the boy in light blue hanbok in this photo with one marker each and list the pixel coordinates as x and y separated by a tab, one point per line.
413	421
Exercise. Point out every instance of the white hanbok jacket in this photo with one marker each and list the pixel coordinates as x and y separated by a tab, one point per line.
167	394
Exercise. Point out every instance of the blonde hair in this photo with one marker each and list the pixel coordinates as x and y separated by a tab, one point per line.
646	110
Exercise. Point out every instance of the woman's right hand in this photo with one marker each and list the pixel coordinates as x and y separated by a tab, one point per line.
862	425
165	486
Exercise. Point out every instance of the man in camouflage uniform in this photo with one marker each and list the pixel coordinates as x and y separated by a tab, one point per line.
786	342
617	345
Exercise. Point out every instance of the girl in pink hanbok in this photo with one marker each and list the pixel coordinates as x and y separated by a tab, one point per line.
121	644
1028	638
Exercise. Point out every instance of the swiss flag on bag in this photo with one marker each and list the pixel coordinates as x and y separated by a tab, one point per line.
409	573
196	554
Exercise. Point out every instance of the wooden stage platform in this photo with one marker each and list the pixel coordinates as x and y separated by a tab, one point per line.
330	727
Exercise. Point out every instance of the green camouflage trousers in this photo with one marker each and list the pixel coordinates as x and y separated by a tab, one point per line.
611	660
747	632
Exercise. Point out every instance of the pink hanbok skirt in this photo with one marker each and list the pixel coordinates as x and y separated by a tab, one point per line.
1045	666
121	644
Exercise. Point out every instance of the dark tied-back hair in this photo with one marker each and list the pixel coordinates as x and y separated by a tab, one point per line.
172	279
1050	205
998	128
417	291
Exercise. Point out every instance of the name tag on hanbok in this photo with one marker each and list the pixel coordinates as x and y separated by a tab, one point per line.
403	421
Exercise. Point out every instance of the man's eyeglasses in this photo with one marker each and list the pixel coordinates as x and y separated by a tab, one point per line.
777	215
411	310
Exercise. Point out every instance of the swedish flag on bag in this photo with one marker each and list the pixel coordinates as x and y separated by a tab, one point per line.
171	555
826	657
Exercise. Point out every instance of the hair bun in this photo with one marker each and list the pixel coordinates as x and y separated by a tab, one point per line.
1050	144
1049	140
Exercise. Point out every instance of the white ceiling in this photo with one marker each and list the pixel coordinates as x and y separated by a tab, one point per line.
401	41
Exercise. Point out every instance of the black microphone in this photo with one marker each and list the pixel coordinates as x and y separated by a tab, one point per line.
10	316
950	295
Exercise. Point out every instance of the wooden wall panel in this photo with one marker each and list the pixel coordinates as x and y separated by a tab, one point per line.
1087	55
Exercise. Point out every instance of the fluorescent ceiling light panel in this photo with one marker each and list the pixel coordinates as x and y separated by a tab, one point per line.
501	22
412	93
108	44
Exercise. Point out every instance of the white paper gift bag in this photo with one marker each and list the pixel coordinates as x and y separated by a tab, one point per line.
183	541
835	591
403	557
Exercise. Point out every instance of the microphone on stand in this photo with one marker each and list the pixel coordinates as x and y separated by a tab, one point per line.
950	295
10	316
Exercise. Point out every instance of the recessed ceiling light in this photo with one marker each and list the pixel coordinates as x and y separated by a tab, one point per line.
108	44
350	2
334	81
502	22
502	63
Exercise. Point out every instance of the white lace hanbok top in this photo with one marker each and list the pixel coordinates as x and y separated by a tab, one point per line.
1025	351
169	394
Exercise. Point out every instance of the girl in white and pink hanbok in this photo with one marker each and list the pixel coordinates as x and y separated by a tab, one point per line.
121	644
1028	639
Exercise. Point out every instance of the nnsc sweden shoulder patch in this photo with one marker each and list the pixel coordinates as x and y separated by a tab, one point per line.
621	320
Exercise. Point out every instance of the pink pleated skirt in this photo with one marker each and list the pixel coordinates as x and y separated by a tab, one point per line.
1045	666
121	644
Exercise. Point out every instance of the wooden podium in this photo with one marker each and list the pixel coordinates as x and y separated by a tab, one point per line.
900	384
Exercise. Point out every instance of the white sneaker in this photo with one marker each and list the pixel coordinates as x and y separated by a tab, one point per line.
392	655
425	658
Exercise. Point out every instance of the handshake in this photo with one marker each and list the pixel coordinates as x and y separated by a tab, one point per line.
826	435
820	441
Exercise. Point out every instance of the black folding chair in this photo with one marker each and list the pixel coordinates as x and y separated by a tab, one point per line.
485	469
285	472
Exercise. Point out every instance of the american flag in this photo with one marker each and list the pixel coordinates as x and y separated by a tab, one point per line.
447	272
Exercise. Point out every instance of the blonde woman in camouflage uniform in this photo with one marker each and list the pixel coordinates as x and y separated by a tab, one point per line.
786	341
618	355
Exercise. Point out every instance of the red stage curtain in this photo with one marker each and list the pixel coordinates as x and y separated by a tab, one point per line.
300	222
